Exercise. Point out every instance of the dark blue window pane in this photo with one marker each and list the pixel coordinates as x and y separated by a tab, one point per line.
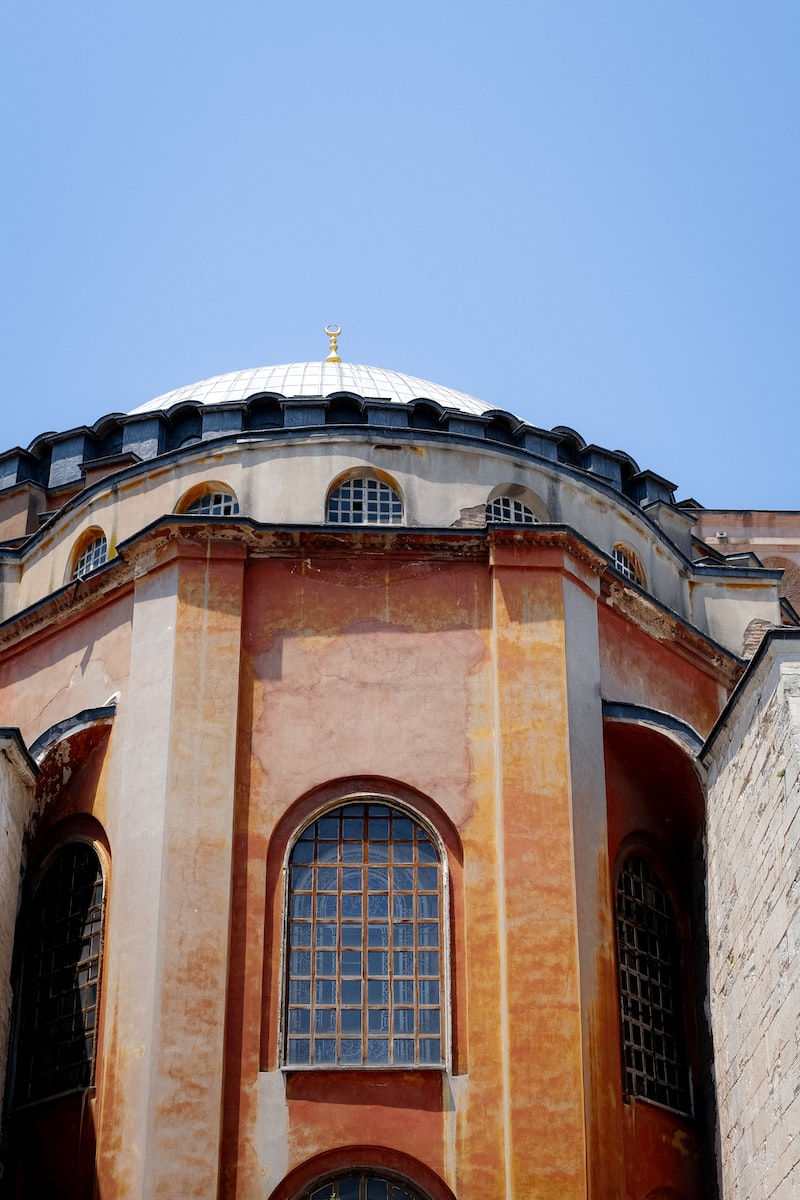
352	879
301	933
402	829
299	1020
428	933
403	852
428	906
429	1020
377	991
327	879
403	906
427	879
300	962
302	879
301	906
430	1050
351	1050
327	827
303	852
325	1020
351	962
325	991
299	1050
404	1020
378	879
351	1020
429	991
353	828
403	991
379	830
426	852
327	908
429	962
351	906
351	991
378	1050
327	933
403	963
324	1050
326	962
377	906
378	1020
377	1189
403	934
351	935
300	991
403	1049
378	852
377	963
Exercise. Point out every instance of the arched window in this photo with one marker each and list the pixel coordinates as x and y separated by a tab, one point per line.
651	1008
627	563
57	1000
213	504
506	510
365	977
364	500
362	1185
92	552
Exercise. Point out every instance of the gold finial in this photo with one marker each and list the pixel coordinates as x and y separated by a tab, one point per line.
333	332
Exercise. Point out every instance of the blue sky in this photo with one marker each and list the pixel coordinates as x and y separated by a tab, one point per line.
584	212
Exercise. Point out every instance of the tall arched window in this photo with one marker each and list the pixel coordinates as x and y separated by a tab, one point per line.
651	1007
365	977
364	500
57	1001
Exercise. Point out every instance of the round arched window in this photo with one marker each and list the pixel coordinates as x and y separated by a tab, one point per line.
364	500
363	1185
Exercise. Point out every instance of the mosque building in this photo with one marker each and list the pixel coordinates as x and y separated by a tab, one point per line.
399	802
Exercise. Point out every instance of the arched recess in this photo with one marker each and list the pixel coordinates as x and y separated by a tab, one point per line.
656	809
518	494
211	498
326	1168
89	553
365	496
298	817
57	1026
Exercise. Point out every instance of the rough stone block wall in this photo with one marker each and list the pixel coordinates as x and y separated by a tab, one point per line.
753	833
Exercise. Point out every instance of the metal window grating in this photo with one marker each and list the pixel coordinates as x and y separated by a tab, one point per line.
365	956
508	511
214	504
362	1185
627	565
649	985
60	977
364	502
91	557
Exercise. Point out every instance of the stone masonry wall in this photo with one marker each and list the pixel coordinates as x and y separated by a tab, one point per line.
753	836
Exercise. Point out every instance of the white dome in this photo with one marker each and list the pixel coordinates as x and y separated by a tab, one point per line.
315	379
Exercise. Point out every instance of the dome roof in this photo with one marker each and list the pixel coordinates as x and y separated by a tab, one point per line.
315	379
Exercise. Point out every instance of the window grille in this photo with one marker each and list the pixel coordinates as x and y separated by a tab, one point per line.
214	504
60	977
362	1185
91	557
364	502
365	976
626	564
650	994
507	511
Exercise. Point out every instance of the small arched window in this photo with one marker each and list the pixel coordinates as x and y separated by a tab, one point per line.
651	1006
364	500
92	552
365	969
506	510
214	504
362	1185
627	563
57	1001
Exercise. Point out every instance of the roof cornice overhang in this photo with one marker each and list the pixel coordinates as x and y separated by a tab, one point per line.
163	539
